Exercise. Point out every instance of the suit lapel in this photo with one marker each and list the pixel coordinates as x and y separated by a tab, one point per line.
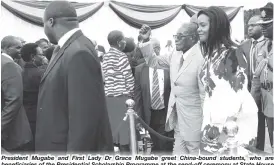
61	52
185	64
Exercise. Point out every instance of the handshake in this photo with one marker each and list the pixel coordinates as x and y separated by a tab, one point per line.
145	33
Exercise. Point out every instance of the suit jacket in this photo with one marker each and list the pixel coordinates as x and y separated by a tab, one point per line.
142	91
187	91
71	112
15	128
245	49
31	80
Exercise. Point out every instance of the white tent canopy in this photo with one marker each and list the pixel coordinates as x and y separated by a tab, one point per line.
105	20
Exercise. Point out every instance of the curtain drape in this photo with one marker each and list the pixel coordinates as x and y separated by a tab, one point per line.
137	15
32	12
155	16
230	11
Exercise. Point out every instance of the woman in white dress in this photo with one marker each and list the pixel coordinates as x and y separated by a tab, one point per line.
225	82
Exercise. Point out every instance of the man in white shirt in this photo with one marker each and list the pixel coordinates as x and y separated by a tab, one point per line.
184	114
152	90
71	102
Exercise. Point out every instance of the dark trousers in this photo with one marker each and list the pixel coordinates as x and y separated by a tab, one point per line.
157	123
261	128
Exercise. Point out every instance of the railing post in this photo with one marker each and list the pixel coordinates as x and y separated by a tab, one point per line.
130	105
231	129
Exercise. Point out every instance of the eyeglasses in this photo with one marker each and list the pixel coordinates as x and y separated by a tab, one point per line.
180	36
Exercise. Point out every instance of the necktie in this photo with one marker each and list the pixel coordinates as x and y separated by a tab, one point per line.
156	99
181	62
253	57
55	52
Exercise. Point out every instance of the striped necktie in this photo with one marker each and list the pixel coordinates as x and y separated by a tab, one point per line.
181	62
253	57
156	98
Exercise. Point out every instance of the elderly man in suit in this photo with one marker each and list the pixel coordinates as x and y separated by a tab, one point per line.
15	128
187	92
250	49
71	110
152	90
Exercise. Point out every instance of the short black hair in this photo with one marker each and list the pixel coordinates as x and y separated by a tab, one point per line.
28	50
130	45
49	51
114	36
42	40
60	9
219	30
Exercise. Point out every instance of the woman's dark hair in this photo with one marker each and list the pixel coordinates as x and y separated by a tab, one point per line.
130	45
219	30
48	53
28	50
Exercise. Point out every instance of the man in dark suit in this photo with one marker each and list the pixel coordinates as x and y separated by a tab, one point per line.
150	89
15	128
250	49
32	74
71	111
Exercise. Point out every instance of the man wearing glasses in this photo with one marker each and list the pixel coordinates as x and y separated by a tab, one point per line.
184	114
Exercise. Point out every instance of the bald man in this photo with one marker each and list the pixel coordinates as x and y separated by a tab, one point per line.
187	92
15	128
144	88
251	49
248	47
71	114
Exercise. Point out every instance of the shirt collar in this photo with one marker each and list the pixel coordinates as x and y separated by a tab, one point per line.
259	39
186	54
66	36
4	54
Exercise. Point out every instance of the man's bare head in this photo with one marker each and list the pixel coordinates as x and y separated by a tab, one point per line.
11	45
254	29
59	18
186	36
156	46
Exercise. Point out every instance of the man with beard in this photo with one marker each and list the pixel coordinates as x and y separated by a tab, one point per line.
71	110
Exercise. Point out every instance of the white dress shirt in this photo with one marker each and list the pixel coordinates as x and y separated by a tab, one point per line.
66	36
161	84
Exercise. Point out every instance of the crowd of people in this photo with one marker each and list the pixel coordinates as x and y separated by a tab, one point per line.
68	94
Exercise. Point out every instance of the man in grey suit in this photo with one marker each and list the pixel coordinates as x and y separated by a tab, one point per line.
186	98
15	128
71	110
